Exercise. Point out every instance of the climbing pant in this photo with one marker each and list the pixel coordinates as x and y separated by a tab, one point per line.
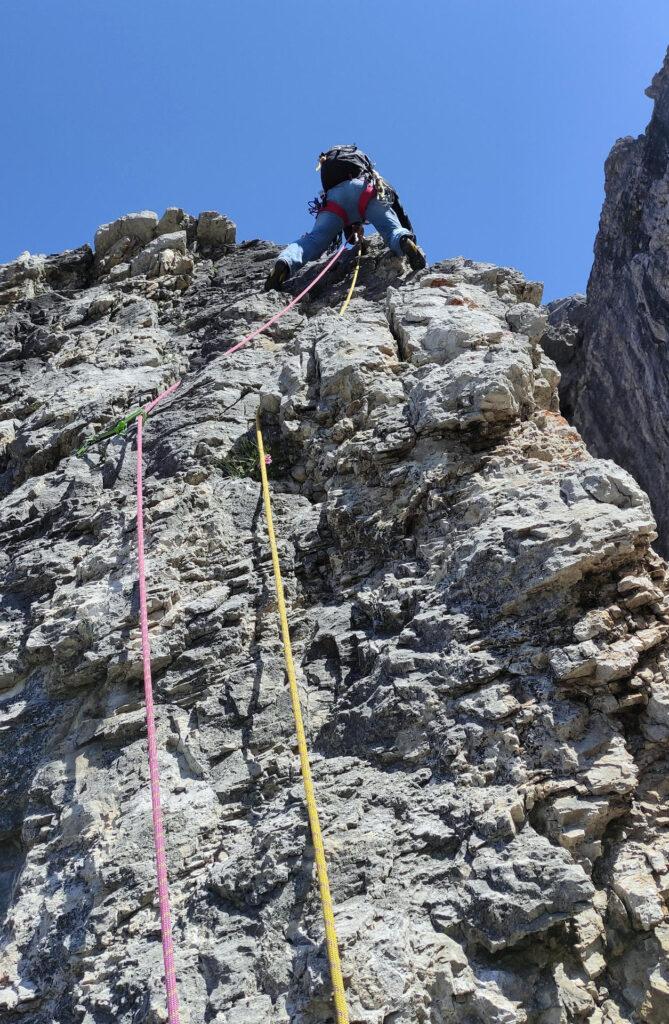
328	225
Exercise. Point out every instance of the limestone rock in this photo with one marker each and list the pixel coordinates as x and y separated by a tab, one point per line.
139	227
612	350
215	230
148	261
29	276
562	342
176	219
479	624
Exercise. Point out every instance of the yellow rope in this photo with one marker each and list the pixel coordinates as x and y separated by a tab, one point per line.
337	980
355	278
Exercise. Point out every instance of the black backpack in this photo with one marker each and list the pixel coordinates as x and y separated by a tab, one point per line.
342	163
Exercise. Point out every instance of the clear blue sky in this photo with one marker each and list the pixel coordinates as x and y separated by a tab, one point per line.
492	117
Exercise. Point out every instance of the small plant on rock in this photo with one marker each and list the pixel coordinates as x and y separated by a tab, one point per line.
243	460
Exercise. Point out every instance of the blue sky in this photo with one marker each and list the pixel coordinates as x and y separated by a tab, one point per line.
493	118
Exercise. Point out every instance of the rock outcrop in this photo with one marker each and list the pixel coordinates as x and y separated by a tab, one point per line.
479	620
615	352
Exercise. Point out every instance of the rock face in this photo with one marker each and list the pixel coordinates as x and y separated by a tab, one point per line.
562	341
480	626
615	354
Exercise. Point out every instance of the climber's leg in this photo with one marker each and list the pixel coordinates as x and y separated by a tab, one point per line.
385	220
312	244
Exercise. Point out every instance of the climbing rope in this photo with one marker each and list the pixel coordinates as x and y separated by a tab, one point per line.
310	796
154	771
138	416
118	428
293	302
355	278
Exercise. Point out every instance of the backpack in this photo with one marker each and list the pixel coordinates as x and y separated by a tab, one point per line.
342	163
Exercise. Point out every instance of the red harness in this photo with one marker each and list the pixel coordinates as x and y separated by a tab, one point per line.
366	197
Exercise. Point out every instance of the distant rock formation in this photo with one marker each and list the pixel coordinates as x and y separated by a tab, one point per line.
479	621
616	356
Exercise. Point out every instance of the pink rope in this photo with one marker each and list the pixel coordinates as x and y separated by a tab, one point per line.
293	302
151	406
154	770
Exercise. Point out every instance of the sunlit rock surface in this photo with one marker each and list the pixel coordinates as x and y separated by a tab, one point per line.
613	350
479	621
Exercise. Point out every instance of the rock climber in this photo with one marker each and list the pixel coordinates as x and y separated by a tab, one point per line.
353	194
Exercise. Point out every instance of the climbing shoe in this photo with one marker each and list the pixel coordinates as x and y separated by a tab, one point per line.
278	276
414	255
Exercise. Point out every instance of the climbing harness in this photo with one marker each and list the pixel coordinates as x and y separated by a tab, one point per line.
336	978
139	416
350	229
365	199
